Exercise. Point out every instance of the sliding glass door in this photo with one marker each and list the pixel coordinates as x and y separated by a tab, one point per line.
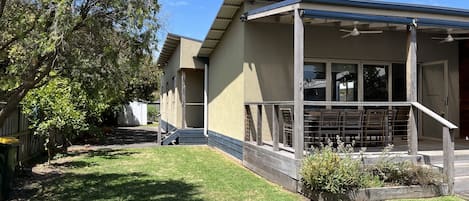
347	81
375	83
315	82
344	82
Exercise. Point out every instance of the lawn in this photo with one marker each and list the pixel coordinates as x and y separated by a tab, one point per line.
153	125
167	173
435	199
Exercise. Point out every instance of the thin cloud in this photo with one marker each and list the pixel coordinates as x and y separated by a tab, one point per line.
178	3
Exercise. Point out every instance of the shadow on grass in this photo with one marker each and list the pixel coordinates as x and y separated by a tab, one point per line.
105	153
97	186
109	153
73	164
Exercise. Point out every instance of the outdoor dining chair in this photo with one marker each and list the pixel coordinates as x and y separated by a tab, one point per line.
375	126
287	126
329	124
352	126
312	138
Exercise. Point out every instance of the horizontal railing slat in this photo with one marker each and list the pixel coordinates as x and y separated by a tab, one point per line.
194	104
434	115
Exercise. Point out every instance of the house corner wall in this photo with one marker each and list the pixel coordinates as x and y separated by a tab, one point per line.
226	90
171	105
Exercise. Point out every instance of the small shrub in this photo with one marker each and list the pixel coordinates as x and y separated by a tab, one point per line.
152	112
406	173
403	173
333	170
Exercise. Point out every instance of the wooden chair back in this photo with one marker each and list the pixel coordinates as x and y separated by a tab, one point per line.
375	119
286	115
329	119
352	119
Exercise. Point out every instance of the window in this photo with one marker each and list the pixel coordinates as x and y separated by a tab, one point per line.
315	81
375	82
399	88
344	82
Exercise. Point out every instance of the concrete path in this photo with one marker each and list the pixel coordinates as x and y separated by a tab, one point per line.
125	137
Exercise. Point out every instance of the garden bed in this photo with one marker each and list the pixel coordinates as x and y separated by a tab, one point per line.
383	193
332	173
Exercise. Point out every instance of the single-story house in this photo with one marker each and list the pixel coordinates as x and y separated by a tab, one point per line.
182	84
278	71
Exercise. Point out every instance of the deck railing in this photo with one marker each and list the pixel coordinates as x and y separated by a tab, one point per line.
256	114
314	125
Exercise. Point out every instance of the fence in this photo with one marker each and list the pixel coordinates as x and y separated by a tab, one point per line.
16	125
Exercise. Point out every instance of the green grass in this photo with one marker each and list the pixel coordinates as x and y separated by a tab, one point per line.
168	173
153	125
450	198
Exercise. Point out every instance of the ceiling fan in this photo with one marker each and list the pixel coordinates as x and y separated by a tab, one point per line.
449	38
356	32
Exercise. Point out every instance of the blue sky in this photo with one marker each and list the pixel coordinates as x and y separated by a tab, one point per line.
193	18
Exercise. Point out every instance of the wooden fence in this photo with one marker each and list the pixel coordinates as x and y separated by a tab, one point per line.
16	125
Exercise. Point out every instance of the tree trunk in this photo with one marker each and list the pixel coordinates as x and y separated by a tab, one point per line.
35	78
51	145
2	7
12	103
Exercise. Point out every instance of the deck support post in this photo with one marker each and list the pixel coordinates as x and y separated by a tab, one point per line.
275	128
448	158
259	125
206	100
158	137
411	77
298	126
412	139
183	97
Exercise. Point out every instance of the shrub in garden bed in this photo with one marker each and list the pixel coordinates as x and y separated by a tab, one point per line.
333	170
404	173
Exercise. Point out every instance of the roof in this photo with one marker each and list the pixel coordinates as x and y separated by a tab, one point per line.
221	22
372	4
171	43
230	7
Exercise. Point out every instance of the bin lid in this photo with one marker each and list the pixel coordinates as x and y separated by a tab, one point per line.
9	141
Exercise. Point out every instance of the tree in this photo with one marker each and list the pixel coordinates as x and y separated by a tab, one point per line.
54	111
91	42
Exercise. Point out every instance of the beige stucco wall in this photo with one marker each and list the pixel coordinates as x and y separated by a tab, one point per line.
268	67
254	62
171	95
190	49
171	105
226	83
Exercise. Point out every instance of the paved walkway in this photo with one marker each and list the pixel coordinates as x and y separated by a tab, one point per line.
125	137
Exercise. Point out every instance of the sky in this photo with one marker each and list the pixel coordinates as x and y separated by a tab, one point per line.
193	18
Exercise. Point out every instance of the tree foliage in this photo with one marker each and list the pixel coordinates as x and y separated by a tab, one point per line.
99	45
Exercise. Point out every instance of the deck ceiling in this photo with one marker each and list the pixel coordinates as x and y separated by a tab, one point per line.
287	18
373	15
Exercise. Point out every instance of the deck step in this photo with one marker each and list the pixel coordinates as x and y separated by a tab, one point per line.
437	156
169	138
190	136
461	168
